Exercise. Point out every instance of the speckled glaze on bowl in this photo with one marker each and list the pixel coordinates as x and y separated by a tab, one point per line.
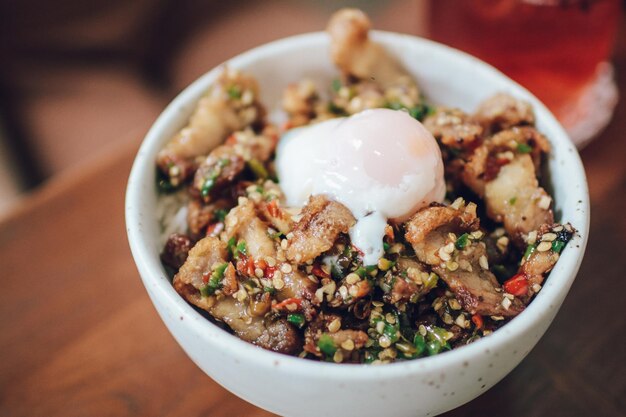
296	387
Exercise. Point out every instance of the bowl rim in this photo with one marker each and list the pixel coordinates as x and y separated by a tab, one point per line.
155	279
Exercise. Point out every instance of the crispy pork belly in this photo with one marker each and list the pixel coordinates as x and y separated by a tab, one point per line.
515	198
277	335
242	223
463	270
321	223
218	170
230	104
454	128
356	55
503	111
191	277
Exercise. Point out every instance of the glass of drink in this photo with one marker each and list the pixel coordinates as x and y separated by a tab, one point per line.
558	49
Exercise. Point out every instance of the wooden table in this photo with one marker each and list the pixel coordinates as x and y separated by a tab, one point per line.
79	336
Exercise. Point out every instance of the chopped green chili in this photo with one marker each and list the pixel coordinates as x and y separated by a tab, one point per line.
327	345
524	148
296	319
461	242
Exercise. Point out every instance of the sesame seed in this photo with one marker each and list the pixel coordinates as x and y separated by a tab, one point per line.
284	244
258	272
279	284
502	243
334	325
457	203
348	344
292	306
477	234
548	237
319	295
544	246
353	291
452	237
241	295
343	291
286	268
352	278
289	236
445	256
313	279
557	228
544	202
338	356
506	303
497	318
384	341
449	248
532	237
298	258
452	266
377	304
484	264
391	319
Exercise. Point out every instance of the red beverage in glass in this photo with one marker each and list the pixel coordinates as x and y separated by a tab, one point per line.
555	48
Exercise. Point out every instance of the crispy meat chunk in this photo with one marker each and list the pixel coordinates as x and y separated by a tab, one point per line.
242	223
427	230
544	256
176	250
321	223
217	171
475	286
454	128
515	198
277	335
230	104
355	54
299	101
503	111
190	278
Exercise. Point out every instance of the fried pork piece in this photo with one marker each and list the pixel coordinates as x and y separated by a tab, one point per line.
454	128
547	243
515	198
321	223
503	111
276	335
218	170
230	104
356	55
464	271
409	284
242	223
190	278
504	170
176	250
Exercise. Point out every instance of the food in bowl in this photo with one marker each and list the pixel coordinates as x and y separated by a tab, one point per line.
373	226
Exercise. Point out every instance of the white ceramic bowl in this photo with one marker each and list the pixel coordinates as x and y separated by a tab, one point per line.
297	387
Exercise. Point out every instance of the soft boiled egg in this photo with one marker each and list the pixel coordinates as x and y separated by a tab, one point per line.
382	164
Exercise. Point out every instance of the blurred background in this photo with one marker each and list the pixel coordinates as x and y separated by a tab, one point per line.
79	79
